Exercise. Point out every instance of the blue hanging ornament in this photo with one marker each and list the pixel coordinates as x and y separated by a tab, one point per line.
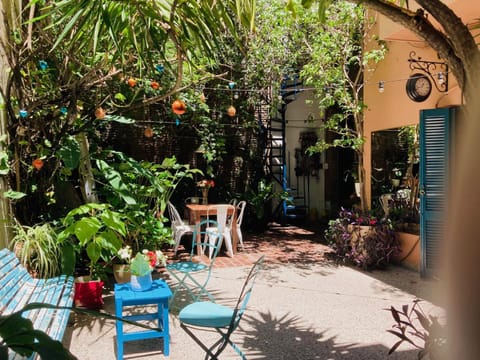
43	65
63	110
177	121
23	113
231	84
159	68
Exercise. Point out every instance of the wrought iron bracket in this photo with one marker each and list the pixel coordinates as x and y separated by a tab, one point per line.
436	70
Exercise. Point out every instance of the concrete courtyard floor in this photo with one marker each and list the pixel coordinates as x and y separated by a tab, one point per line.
303	306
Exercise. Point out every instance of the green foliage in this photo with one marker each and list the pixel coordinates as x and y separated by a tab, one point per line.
95	228
140	190
424	332
38	249
18	334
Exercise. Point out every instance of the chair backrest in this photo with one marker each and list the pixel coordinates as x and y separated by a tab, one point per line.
223	218
200	231
174	214
241	209
245	294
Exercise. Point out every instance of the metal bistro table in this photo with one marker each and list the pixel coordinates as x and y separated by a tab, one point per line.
158	294
197	211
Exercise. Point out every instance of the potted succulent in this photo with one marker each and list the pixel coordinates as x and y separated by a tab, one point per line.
141	268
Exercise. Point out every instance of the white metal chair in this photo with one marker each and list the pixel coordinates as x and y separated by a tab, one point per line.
223	219
180	227
240	211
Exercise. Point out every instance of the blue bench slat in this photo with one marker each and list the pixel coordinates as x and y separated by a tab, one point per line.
18	288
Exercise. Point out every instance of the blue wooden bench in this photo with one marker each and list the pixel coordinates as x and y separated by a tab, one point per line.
18	288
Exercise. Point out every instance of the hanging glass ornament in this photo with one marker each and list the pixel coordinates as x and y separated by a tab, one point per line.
63	110
155	85
42	64
177	121
23	113
231	84
159	68
132	82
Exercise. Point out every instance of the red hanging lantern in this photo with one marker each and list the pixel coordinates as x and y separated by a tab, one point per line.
37	164
179	107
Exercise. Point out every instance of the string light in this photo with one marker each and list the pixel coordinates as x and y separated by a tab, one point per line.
381	86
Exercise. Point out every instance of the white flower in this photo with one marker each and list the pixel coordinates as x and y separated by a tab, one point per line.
125	253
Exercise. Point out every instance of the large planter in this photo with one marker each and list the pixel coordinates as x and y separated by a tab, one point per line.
88	293
122	273
371	246
141	283
409	254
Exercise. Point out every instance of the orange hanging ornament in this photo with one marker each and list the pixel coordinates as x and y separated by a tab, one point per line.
100	113
231	111
179	107
148	132
155	85
37	163
132	82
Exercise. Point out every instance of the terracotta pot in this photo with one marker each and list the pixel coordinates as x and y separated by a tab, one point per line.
122	273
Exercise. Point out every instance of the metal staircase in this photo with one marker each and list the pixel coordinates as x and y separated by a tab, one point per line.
276	156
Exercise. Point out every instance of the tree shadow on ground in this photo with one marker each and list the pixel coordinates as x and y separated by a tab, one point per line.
287	338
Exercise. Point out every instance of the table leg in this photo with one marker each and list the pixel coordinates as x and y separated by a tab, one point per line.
119	327
166	329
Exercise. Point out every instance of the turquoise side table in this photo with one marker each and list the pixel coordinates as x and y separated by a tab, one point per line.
159	294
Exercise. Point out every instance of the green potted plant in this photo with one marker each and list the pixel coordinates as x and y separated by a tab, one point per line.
362	239
94	230
37	249
141	268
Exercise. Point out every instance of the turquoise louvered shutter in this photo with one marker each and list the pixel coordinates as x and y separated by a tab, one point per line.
435	140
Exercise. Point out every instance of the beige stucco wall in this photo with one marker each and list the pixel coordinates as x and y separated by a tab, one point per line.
298	112
393	108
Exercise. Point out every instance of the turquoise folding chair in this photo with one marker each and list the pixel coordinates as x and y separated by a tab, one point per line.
188	274
208	315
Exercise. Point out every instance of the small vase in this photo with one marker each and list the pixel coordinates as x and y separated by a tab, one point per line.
205	196
122	273
141	283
